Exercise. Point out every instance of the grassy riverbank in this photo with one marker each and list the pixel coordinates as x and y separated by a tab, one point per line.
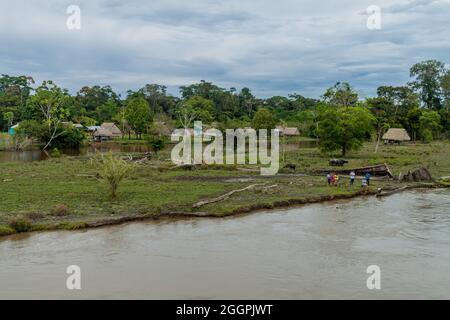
64	193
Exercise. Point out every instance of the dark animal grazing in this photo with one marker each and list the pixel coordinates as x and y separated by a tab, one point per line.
338	162
290	166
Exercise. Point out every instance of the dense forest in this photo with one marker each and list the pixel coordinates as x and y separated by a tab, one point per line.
339	117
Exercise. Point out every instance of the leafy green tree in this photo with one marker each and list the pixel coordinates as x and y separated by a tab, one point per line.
138	115
344	128
445	87
307	122
414	122
264	119
381	109
156	96
195	108
14	92
341	94
445	121
107	111
51	103
89	99
427	82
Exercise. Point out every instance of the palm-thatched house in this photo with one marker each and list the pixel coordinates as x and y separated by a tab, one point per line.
102	134
111	127
288	131
396	135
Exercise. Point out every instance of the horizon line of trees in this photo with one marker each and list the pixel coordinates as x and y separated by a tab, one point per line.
421	107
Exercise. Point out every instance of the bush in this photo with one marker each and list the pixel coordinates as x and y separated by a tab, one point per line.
5	230
55	153
20	224
112	169
156	143
66	137
60	210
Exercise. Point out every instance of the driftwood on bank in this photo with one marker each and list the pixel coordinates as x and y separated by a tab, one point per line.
225	196
141	158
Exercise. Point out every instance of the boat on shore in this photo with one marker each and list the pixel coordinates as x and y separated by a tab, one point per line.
380	170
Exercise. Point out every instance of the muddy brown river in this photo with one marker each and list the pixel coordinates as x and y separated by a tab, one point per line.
318	251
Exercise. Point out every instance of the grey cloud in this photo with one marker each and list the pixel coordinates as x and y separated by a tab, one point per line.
272	47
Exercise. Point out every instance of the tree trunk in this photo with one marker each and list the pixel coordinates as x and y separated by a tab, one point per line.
378	140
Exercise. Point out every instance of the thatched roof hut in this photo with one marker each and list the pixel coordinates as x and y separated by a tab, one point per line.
102	134
396	135
288	131
112	128
291	131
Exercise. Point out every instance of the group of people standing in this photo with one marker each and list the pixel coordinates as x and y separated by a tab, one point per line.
333	179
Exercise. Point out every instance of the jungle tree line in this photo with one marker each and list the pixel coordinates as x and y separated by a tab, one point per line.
420	106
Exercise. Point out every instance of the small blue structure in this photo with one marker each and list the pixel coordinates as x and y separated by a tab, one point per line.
12	130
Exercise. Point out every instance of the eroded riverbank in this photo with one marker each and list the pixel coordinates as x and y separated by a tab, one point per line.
315	251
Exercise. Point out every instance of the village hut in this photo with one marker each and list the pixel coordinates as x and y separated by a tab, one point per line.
288	131
101	134
112	128
396	135
291	132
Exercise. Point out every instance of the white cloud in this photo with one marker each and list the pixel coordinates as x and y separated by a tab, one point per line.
274	47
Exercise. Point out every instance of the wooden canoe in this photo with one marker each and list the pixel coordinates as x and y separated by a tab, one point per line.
380	170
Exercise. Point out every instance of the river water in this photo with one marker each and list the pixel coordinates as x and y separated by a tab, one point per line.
39	155
317	251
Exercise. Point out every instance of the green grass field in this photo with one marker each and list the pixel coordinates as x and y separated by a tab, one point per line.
30	192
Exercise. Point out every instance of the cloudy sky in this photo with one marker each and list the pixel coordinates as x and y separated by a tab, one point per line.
273	47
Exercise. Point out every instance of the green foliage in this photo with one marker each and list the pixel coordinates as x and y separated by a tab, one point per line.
341	94
344	128
55	153
264	119
430	125
195	109
138	115
157	143
65	136
9	118
428	75
6	230
107	111
112	170
14	93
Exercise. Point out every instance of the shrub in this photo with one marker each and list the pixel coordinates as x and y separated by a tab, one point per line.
55	153
112	169
5	230
60	210
20	224
156	143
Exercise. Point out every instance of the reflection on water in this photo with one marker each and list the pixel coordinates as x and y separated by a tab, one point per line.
38	155
318	251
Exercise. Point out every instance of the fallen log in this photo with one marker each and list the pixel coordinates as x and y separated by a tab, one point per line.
225	196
